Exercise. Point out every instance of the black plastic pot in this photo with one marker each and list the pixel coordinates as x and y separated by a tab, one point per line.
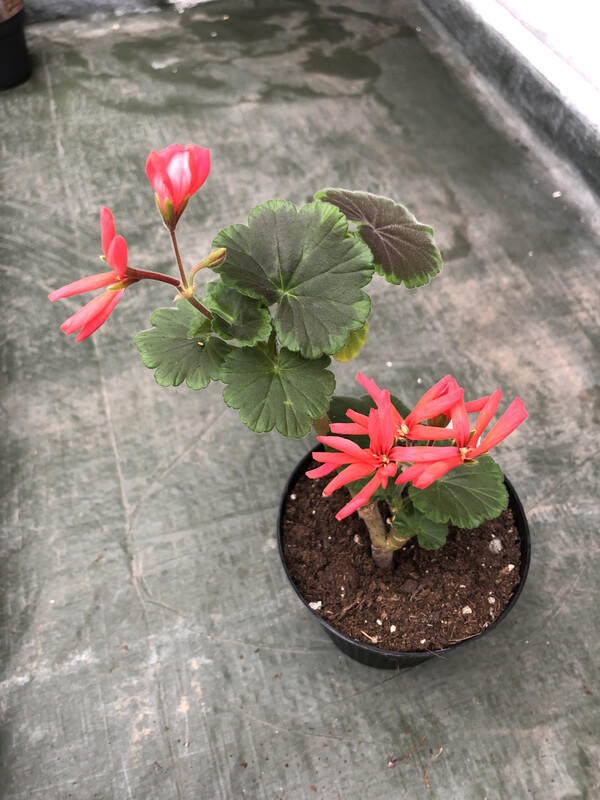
386	659
15	65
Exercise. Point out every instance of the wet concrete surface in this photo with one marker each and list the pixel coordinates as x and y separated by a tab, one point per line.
151	647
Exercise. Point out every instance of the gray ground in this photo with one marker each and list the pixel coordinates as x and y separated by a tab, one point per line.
151	647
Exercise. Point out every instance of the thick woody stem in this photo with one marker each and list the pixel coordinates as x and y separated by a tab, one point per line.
381	552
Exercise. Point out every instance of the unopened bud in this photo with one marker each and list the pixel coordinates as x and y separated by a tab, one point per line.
215	258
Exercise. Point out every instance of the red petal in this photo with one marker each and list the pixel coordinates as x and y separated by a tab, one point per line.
95	310
369	386
320	472
410	473
430	407
200	163
461	425
485	416
436	470
102	315
159	178
360	419
421	433
337	459
359	499
345	446
353	472
107	228
419	454
351	428
117	256
476	405
84	285
514	415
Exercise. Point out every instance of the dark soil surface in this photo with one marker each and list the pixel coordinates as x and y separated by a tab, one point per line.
432	599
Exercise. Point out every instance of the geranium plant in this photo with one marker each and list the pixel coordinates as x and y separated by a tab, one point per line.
288	296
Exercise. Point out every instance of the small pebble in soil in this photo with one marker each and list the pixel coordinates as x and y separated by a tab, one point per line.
491	600
316	606
392	628
511	567
423	641
495	545
379	622
467	610
292	497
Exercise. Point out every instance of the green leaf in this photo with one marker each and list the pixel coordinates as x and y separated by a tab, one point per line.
356	342
465	496
178	356
412	522
200	326
304	262
237	316
404	250
287	395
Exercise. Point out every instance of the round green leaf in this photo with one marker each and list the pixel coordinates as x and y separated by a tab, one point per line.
237	316
286	396
303	261
411	522
404	249
177	355
465	496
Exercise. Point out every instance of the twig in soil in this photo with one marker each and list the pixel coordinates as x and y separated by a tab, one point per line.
344	611
429	763
393	761
370	638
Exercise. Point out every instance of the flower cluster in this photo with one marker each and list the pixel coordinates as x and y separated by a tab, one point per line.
446	415
175	173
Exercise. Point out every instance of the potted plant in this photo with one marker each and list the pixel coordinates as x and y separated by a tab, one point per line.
288	296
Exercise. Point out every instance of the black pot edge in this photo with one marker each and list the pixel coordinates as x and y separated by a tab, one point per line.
15	62
386	659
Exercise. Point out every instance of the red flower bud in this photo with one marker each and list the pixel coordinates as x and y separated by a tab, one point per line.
176	173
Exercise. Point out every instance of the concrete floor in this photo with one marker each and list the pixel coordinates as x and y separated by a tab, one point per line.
151	647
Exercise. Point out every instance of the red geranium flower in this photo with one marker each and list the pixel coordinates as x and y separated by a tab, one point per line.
431	463
176	173
93	314
378	458
436	401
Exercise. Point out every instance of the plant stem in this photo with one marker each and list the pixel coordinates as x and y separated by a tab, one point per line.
321	425
381	552
142	274
184	284
198	305
178	259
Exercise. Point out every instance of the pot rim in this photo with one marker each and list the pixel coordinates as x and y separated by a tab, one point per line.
514	503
